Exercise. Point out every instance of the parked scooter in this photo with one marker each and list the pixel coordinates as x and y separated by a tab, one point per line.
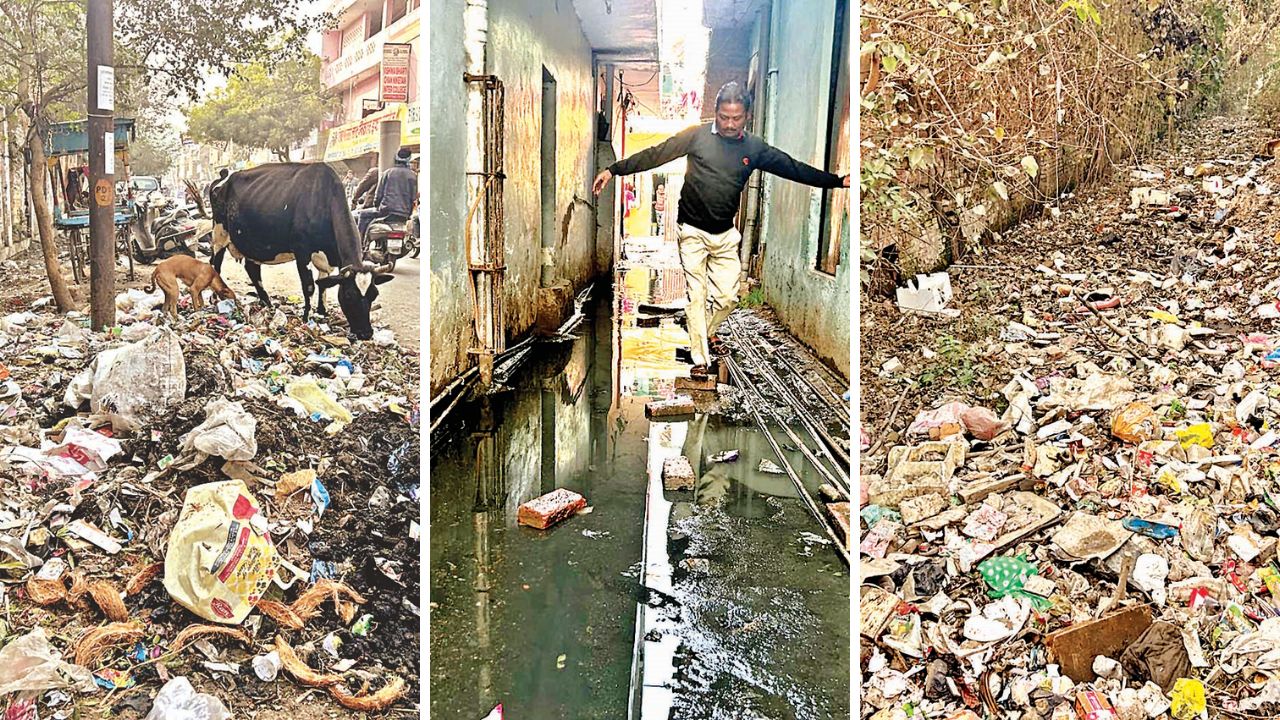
161	228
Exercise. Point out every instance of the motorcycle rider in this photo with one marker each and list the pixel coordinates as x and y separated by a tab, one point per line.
363	195
396	194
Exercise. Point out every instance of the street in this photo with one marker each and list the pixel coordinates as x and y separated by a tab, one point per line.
398	299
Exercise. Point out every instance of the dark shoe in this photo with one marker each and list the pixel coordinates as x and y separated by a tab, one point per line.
699	371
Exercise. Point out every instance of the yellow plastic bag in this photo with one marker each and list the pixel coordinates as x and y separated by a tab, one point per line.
1188	699
1164	316
1135	423
1198	434
316	400
220	556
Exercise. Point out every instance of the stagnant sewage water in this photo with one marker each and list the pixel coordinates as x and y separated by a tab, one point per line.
742	610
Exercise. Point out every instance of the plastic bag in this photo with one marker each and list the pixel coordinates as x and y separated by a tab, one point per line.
220	556
29	664
315	400
1188	699
227	432
133	382
1006	576
1199	434
1136	423
177	700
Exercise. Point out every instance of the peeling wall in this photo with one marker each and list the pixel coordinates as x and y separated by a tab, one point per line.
813	305
449	312
524	36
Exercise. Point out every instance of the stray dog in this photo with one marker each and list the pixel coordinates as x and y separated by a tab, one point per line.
196	274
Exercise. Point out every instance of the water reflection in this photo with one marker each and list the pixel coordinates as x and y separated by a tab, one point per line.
545	622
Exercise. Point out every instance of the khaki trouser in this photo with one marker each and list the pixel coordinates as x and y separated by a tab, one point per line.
711	270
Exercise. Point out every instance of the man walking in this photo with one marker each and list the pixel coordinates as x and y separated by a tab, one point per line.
395	196
721	159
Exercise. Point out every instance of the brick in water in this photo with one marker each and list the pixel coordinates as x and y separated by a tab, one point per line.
677	474
680	405
555	506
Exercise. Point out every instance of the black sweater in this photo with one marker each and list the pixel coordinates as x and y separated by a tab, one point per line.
718	170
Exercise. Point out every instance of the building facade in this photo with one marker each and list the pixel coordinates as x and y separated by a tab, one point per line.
370	61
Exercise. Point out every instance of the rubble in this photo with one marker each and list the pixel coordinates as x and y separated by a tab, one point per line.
102	435
1100	541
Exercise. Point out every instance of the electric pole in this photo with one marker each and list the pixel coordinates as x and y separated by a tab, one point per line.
102	154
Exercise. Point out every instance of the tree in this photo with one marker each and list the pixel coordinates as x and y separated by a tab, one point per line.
151	156
168	45
273	108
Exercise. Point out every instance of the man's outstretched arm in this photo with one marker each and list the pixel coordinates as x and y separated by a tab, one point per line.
773	160
673	147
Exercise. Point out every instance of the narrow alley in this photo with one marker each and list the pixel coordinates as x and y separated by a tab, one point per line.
692	602
699	567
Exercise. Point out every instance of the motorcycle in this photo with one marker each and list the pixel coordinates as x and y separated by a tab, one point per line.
388	239
414	240
160	228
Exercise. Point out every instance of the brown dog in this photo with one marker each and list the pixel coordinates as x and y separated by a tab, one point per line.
196	274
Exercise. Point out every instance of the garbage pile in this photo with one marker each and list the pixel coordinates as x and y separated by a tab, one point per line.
1085	525
206	517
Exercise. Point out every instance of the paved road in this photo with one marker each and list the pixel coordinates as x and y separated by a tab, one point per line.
399	299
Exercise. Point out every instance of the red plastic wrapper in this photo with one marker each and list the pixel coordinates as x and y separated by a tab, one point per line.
1093	706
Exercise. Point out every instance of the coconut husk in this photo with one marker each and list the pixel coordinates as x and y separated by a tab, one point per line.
307	603
380	700
301	672
282	614
185	637
46	592
94	643
144	577
79	588
107	598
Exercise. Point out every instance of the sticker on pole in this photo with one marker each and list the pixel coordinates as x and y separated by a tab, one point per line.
109	149
106	88
104	193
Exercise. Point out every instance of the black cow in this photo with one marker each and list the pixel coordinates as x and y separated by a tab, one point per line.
279	212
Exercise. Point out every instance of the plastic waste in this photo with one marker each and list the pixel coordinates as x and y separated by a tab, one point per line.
314	399
928	293
1199	434
133	382
1188	699
1135	423
178	700
227	432
266	667
220	556
1156	530
1268	311
29	664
